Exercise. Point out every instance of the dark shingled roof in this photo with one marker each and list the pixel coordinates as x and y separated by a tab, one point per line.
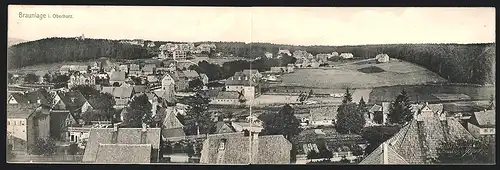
72	99
240	78
171	121
32	97
124	153
224	127
123	136
273	149
139	88
376	108
408	142
190	74
20	111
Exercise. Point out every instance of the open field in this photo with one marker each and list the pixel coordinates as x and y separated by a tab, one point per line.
52	67
433	93
395	73
275	99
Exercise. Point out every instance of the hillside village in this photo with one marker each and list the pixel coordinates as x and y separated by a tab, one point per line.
170	109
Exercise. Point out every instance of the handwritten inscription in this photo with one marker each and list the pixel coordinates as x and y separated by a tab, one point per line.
44	16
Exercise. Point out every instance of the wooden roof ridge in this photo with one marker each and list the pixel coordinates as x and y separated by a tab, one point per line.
422	139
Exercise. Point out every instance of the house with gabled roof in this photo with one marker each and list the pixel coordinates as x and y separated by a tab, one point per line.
104	144
418	140
347	55
172	127
190	75
224	127
240	82
382	58
40	96
72	101
252	73
122	95
166	95
234	148
119	92
283	52
117	77
375	114
25	124
148	69
60	121
482	124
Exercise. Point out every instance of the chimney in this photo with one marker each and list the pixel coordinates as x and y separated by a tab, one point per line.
144	127
385	152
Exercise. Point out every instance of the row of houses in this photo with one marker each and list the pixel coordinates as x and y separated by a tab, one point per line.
180	51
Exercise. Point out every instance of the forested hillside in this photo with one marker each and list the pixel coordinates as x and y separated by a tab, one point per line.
51	50
471	63
459	63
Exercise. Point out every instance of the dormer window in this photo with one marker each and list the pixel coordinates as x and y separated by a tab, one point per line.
222	144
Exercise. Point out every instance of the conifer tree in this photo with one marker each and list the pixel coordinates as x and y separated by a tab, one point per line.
399	111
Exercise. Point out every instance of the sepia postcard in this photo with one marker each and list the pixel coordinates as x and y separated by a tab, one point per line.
250	85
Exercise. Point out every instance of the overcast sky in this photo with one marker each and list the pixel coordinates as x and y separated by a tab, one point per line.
299	26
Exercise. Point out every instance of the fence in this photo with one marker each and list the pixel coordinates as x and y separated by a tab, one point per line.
42	158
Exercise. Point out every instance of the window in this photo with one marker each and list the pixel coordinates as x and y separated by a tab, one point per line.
222	144
15	123
72	138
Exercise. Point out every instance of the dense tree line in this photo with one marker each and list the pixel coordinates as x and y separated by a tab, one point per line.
52	50
459	63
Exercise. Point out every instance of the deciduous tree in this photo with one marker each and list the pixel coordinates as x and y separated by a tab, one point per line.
44	147
349	119
282	123
31	78
139	112
198	120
